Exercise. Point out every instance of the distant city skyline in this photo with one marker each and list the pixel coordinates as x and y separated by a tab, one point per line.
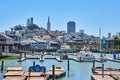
89	15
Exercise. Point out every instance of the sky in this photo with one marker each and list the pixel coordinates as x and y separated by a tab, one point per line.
89	15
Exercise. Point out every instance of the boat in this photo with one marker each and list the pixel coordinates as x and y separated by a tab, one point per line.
85	55
59	53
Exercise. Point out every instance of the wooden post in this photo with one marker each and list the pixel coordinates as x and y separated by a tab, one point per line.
60	58
41	56
2	65
53	72
102	70
68	65
33	63
25	55
20	56
29	72
93	64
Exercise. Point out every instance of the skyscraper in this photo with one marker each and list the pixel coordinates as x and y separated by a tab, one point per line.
71	27
48	24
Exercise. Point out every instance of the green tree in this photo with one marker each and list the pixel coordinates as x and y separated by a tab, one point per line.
117	42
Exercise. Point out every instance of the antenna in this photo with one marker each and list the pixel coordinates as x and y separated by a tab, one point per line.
100	40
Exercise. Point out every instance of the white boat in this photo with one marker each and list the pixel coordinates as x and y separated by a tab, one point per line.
85	55
59	53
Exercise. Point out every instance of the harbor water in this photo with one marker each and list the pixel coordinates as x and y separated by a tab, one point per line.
78	70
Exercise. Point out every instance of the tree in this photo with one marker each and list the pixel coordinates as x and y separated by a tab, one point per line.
117	42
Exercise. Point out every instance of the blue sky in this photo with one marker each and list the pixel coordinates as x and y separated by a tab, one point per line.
89	15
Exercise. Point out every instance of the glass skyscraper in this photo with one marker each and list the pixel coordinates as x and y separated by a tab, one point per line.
71	27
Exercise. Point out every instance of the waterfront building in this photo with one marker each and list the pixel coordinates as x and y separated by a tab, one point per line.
107	42
6	43
40	45
48	24
71	27
65	47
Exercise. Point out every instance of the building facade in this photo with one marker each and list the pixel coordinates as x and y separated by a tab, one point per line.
71	27
5	43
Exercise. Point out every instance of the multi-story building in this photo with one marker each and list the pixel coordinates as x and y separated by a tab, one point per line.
6	43
71	27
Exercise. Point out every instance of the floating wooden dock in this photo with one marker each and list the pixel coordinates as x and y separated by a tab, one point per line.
107	74
99	77
14	69
17	73
59	72
21	59
14	73
58	59
33	74
15	78
114	60
75	59
37	78
55	58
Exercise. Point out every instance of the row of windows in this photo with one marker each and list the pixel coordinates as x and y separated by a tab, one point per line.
2	39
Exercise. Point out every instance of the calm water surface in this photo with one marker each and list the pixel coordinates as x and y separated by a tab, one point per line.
78	70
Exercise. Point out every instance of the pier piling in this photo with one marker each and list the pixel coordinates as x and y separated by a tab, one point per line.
103	70
25	55
68	65
93	64
2	65
53	72
33	63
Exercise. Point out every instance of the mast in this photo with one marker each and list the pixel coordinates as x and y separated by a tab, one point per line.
100	42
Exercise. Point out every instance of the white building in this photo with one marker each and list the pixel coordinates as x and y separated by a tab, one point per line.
6	43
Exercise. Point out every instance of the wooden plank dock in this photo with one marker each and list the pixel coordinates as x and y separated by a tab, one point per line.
14	73
114	60
99	77
108	73
59	72
74	59
33	74
115	76
58	59
21	59
55	58
15	78
37	78
14	69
